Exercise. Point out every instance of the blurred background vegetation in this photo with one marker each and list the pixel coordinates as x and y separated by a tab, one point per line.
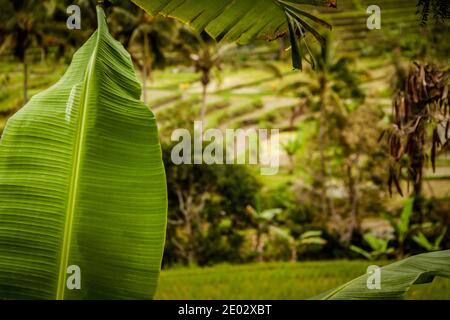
365	172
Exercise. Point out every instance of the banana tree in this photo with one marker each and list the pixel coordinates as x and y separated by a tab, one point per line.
82	185
402	226
306	239
291	148
245	20
379	247
263	221
422	240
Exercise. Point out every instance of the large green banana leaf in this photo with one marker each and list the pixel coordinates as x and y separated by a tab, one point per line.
395	279
245	20
82	183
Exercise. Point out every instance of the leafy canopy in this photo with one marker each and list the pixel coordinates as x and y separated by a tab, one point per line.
245	20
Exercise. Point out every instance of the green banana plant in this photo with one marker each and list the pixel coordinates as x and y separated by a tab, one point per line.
82	185
311	237
380	247
402	226
245	20
395	279
426	243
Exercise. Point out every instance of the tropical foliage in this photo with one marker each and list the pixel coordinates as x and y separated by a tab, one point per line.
243	21
82	183
83	178
439	9
397	278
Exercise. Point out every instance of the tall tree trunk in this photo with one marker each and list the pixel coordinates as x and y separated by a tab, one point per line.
291	164
186	208
259	245
25	81
43	56
145	58
417	165
323	170
293	245
144	83
150	69
353	201
203	108
190	234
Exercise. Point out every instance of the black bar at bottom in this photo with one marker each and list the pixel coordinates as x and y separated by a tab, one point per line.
226	309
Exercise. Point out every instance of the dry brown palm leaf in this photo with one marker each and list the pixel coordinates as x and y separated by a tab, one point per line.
420	108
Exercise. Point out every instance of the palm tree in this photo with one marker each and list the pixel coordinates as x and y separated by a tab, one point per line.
220	23
336	83
205	55
146	37
291	148
440	9
21	30
263	221
323	98
26	24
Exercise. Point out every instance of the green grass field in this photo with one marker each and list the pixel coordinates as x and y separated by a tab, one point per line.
274	281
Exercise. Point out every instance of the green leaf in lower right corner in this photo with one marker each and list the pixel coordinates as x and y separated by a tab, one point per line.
395	279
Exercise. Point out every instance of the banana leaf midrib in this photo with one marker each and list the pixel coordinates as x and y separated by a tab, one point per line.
82	184
77	155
